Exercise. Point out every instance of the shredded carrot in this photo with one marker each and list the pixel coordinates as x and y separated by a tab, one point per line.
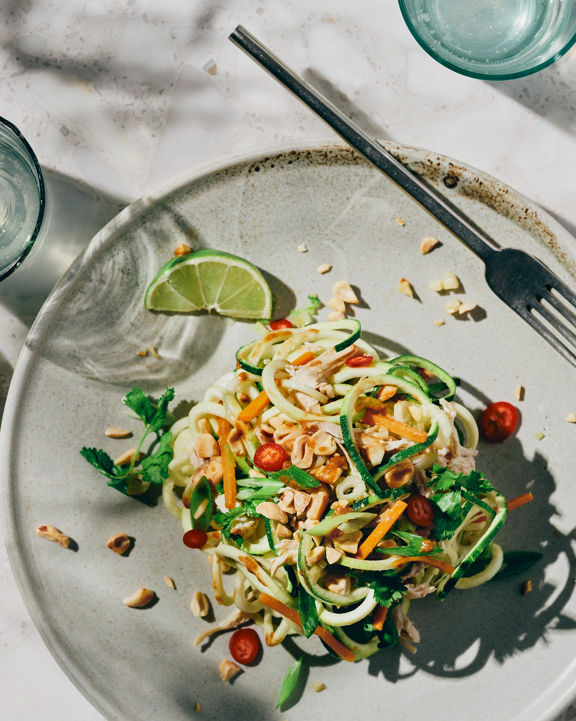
396	427
428	560
293	615
379	618
228	465
254	408
389	518
306	357
520	501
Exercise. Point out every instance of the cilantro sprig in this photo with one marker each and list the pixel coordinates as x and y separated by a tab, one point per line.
153	468
453	496
388	587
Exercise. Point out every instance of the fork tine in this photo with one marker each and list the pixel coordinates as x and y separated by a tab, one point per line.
565	312
569	335
547	334
563	290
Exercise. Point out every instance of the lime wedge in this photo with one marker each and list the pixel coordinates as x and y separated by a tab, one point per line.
211	280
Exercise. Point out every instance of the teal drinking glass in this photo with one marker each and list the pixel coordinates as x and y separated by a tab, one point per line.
492	39
22	198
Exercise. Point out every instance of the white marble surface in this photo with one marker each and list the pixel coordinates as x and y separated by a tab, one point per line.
117	97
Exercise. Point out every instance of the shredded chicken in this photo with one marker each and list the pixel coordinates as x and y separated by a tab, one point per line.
235	619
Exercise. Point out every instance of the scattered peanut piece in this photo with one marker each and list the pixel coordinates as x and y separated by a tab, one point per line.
539	435
449	281
401	222
428	244
198	707
337	315
200	605
118	432
519	393
571	418
452	306
142	353
153	352
406	288
337	305
211	68
140	598
466	307
324	268
50	533
182	249
333	555
343	291
126	457
302	248
527	587
228	669
119	543
439	322
170	582
318	686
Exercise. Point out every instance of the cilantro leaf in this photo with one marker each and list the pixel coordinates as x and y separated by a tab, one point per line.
141	404
388	586
155	467
100	460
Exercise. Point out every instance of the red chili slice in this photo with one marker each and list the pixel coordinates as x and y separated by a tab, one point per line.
420	510
498	421
282	323
270	457
196	538
359	361
245	645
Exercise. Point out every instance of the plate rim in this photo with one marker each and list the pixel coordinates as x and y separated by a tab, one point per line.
57	296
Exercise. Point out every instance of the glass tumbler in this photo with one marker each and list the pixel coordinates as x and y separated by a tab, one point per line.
492	39
22	198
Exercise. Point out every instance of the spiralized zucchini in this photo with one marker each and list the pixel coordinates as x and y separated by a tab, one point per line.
363	441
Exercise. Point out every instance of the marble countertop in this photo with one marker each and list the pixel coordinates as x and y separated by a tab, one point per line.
119	96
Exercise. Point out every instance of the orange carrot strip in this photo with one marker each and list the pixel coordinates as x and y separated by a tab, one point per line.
428	560
399	428
228	465
306	357
389	518
520	501
254	408
293	615
379	618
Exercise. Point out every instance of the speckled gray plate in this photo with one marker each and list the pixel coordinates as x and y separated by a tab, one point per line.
486	654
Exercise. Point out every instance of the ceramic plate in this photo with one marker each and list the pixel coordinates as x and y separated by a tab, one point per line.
490	653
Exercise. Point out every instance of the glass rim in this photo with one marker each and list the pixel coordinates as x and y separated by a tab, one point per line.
471	73
42	199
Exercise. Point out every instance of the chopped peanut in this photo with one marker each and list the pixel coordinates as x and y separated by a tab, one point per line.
51	533
229	669
338	583
401	222
119	543
320	498
170	582
141	598
466	307
527	587
200	605
337	305
406	288
343	290
571	418
440	322
399	475
316	555
519	393
125	458
318	686
324	268
270	510
336	315
118	432
452	306
428	244
333	555
302	248
182	249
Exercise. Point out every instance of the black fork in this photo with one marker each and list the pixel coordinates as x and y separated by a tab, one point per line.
521	281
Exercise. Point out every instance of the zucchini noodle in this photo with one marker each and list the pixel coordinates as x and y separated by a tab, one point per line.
352	432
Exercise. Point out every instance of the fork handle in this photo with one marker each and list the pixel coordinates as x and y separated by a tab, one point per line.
432	201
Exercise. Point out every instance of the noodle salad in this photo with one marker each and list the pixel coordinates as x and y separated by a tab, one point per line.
328	488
